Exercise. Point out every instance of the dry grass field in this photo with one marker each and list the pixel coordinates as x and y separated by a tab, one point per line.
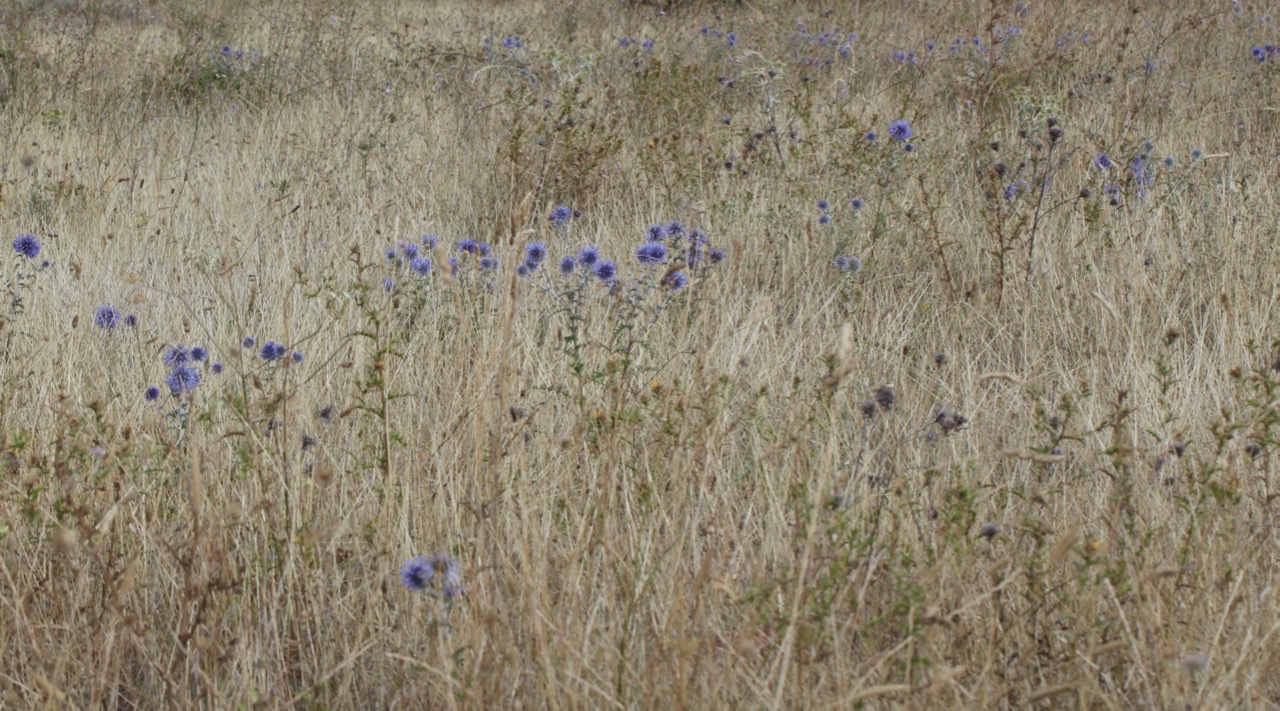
760	354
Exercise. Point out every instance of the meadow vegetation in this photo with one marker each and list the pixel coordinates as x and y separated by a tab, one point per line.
565	355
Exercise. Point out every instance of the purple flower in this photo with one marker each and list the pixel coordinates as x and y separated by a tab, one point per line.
870	136
388	285
421	266
182	379
107	317
856	204
655	233
27	245
823	205
151	393
560	216
1103	162
248	342
488	264
567	264
131	320
216	368
900	130
824	219
716	255
271	351
606	270
651	253
177	356
677	281
535	254
297	356
589	255
416	573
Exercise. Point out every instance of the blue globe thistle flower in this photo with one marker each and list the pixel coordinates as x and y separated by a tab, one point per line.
849	264
416	573
484	249
391	254
1196	154
199	354
589	255
677	281
1169	161
469	245
248	342
605	270
567	264
523	270
216	368
1103	162
488	264
823	205
388	285
27	245
698	236
535	254
1259	54
182	379
647	45
716	255
870	136
107	317
675	229
297	356
409	249
856	204
454	263
151	393
655	233
430	241
900	130
731	39
824	219
651	253
271	351
845	51
909	147
446	569
177	356
421	266
131	320
560	216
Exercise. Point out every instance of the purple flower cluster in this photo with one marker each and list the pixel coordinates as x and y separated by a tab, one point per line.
423	573
183	372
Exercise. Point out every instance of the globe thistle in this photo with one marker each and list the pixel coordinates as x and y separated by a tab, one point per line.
131	321
567	264
716	255
216	368
248	342
421	266
199	354
430	241
177	356
182	379
388	285
535	254
900	130
488	264
606	270
27	245
560	216
523	270
675	229
885	397
856	204
416	573
446	569
107	317
870	136
589	256
409	250
469	245
823	205
677	281
655	233
824	219
989	531
651	253
297	357
1103	162
151	393
271	351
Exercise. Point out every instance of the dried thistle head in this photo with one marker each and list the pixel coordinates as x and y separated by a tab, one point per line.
886	397
949	420
868	408
989	531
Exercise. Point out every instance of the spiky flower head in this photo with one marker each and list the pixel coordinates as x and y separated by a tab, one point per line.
900	130
27	245
107	317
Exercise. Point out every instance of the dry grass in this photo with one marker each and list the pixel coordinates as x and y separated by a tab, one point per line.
686	506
